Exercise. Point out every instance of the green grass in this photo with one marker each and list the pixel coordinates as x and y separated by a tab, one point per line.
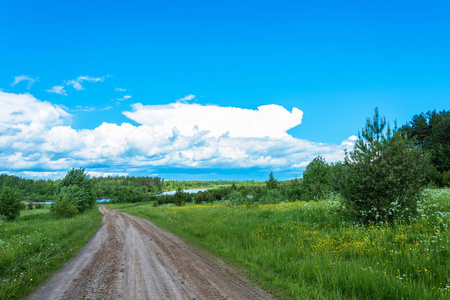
34	246
305	250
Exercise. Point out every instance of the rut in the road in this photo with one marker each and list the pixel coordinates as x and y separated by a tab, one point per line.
130	258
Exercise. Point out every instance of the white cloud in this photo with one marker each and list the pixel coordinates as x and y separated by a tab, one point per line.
186	98
105	174
75	84
84	108
267	121
27	78
120	90
49	175
34	135
90	78
57	89
126	97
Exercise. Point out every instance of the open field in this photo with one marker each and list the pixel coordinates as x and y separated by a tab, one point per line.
35	245
306	250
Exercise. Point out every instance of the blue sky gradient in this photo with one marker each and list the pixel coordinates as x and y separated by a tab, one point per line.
334	61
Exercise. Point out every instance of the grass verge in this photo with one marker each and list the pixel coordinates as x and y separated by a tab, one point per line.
35	245
305	250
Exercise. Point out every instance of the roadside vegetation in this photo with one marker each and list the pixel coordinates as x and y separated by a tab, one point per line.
307	250
36	245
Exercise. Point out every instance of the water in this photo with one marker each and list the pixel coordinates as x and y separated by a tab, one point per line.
103	200
98	200
189	191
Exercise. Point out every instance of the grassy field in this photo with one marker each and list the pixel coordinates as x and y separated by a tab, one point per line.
35	245
305	250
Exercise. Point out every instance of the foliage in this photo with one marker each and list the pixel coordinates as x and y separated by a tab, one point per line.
272	197
316	179
64	207
431	130
305	250
236	198
34	190
79	190
383	174
31	249
271	184
180	197
9	204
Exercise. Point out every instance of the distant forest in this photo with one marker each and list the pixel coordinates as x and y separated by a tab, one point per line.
119	189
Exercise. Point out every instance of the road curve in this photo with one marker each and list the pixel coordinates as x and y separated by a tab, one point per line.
130	258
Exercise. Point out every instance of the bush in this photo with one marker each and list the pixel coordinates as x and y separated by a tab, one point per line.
236	198
316	180
272	197
179	197
383	175
9	204
79	188
64	207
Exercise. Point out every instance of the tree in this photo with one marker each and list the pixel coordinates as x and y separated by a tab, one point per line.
271	184
9	204
431	130
384	174
316	179
179	197
78	189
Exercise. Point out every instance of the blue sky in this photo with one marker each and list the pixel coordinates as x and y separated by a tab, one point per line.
317	69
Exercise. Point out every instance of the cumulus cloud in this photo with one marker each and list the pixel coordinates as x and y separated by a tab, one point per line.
57	89
120	89
27	78
266	121
35	135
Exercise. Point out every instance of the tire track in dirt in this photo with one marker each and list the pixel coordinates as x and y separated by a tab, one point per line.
130	258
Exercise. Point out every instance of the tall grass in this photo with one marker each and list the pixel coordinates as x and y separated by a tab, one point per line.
35	245
305	250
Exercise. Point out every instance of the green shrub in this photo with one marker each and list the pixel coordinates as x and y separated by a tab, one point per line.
9	204
272	197
316	180
79	188
179	197
64	208
236	198
384	174
272	183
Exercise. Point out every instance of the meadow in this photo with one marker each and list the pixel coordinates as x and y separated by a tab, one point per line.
36	245
307	250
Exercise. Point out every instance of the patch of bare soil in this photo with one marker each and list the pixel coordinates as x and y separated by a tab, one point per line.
130	258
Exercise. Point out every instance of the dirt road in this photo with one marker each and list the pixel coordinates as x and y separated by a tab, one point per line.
130	258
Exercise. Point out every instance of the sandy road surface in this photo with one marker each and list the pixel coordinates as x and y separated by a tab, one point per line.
130	258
